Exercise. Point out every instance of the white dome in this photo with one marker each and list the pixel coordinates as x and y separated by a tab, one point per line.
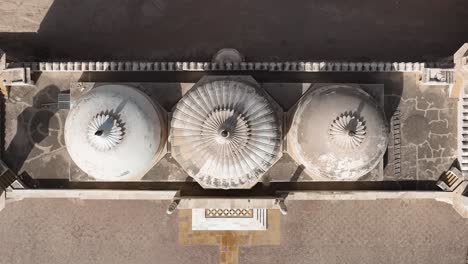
225	134
115	132
338	132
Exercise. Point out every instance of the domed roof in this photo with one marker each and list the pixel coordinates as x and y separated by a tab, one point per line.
338	132
225	134
115	132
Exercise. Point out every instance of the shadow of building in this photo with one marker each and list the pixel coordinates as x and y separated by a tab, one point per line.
32	128
262	30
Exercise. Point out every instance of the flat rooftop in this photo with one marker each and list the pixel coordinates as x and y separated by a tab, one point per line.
422	119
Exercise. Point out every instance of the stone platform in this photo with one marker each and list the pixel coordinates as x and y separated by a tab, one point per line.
422	118
256	220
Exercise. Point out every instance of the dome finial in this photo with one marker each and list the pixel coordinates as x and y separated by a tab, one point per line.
104	132
347	131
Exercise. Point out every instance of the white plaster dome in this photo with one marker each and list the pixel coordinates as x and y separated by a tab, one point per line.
225	134
115	132
338	132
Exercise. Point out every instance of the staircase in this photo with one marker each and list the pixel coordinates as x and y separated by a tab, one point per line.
450	180
396	143
438	76
463	134
7	177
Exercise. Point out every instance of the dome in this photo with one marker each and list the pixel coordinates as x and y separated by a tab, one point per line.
115	132
225	134
338	132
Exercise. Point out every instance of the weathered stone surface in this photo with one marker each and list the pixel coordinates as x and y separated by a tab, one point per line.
226	132
415	129
337	132
429	125
424	151
115	132
167	170
401	91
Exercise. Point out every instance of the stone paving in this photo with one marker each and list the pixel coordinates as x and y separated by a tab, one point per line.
34	143
428	127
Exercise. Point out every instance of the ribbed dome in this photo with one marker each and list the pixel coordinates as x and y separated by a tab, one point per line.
338	132
105	132
115	132
225	134
347	131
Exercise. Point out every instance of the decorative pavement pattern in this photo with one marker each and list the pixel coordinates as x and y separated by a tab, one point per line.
427	126
231	213
229	241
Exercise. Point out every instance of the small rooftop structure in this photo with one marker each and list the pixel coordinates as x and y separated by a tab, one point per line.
115	132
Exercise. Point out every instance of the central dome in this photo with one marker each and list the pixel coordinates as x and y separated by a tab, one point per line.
115	132
227	128
338	132
225	134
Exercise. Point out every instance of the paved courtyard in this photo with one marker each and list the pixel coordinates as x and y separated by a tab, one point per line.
71	231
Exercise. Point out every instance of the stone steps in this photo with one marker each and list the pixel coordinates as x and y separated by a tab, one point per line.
396	143
438	76
463	135
7	177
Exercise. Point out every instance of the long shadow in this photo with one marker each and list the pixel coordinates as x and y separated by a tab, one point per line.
261	30
181	30
194	189
32	128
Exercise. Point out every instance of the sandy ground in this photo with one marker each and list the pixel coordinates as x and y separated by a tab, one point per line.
67	231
